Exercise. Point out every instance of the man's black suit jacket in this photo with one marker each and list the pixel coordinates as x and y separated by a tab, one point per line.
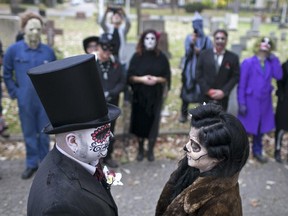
225	79
63	187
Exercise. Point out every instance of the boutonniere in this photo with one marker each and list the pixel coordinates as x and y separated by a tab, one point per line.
112	177
227	65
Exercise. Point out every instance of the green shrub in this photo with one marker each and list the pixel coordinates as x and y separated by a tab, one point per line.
193	7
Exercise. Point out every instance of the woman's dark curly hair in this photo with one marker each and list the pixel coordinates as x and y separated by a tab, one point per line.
225	139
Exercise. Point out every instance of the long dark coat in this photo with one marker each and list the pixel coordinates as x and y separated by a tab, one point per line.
63	187
225	79
255	92
147	100
206	196
282	104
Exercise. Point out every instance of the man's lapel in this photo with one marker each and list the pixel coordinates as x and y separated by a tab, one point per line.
87	182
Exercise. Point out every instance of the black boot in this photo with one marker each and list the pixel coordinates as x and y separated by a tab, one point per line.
277	156
278	144
150	153
140	155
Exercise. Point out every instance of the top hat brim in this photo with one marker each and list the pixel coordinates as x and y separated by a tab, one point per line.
113	113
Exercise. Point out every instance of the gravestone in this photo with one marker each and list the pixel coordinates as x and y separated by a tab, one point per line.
274	38
231	21
233	102
254	30
283	36
80	15
159	26
237	49
51	31
275	19
10	26
130	49
214	26
243	42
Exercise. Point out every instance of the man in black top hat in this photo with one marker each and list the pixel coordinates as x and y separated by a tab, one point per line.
70	180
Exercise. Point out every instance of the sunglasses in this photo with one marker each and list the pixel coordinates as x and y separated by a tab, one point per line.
107	47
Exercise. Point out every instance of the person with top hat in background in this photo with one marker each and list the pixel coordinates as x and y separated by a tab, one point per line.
194	44
281	115
217	71
254	93
18	59
70	179
149	75
113	82
90	44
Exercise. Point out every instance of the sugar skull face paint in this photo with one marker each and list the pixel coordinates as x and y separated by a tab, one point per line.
197	154
93	143
150	41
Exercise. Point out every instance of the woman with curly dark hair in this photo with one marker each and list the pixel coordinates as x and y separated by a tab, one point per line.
206	180
148	74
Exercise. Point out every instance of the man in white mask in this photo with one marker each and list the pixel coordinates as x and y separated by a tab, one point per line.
19	58
70	180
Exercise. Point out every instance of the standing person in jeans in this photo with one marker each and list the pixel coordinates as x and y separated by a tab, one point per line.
18	59
194	44
254	94
113	82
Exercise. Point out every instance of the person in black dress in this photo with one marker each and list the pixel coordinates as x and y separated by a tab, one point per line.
281	117
148	74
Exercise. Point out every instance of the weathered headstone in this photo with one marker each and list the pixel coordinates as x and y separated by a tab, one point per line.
214	26
159	26
51	31
283	16
233	103
275	19
243	42
254	29
130	49
237	49
231	21
274	38
10	26
80	15
283	36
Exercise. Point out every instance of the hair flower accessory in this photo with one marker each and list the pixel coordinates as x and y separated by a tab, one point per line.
112	177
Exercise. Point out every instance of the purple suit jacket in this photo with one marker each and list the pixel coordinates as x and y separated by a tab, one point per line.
254	92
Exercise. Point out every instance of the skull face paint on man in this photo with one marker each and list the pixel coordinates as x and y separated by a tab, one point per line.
93	143
197	154
150	41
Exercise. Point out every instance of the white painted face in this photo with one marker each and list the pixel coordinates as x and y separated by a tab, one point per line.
197	154
150	41
33	30
92	144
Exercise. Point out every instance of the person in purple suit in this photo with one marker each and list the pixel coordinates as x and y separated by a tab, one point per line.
254	93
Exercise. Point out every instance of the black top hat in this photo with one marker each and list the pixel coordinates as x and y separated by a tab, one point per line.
72	95
87	40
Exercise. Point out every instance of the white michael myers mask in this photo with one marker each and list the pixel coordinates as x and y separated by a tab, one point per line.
150	41
33	30
89	145
197	154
